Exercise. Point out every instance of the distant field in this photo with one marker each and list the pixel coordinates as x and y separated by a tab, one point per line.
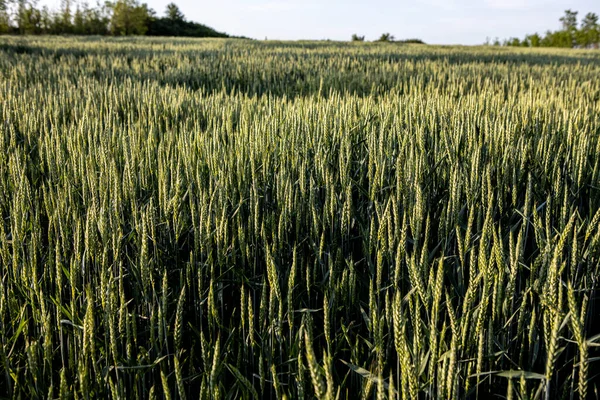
240	219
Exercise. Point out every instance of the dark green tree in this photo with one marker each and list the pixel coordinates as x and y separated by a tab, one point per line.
590	30
28	18
173	13
558	39
534	40
386	37
569	20
65	22
513	42
97	19
46	22
174	24
4	17
121	17
129	18
569	24
79	26
569	36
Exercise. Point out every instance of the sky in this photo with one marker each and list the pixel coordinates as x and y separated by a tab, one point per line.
434	21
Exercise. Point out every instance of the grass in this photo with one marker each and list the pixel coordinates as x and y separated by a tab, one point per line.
227	219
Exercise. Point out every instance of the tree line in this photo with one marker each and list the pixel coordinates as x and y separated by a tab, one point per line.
119	18
572	34
386	38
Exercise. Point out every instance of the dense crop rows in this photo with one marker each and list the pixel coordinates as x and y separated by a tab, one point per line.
242	219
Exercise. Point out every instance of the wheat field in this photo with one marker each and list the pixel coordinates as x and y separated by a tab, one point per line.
239	219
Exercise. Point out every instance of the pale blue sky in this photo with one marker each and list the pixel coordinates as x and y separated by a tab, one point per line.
434	21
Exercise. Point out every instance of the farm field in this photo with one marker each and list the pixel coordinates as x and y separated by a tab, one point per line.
241	219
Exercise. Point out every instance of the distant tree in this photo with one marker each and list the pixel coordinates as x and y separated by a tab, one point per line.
513	42
356	38
79	27
4	17
97	19
411	41
534	40
386	37
569	36
569	20
65	23
557	39
590	30
174	24
129	18
569	24
28	18
173	13
46	20
121	17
